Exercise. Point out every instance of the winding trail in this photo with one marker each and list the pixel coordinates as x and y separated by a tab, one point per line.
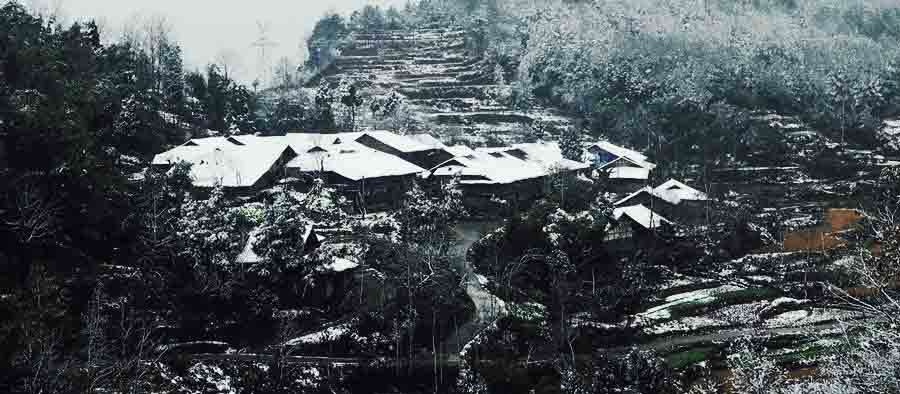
488	307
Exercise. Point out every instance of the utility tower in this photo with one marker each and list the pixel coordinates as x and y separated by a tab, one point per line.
263	43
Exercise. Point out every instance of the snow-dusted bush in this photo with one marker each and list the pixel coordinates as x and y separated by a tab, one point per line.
210	230
282	234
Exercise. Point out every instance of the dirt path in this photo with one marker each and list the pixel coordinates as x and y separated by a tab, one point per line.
487	306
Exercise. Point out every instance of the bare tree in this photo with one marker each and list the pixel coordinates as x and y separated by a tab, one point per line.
229	61
286	72
151	34
47	369
281	352
35	215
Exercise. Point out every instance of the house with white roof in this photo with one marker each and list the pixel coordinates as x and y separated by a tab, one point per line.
421	149
370	177
627	169
230	163
672	198
513	173
636	223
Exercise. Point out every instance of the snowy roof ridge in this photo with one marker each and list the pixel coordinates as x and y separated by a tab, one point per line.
679	191
427	140
633	156
641	215
497	165
219	162
460	150
671	191
669	198
355	164
405	144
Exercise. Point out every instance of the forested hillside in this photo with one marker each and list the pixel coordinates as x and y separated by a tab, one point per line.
680	78
119	274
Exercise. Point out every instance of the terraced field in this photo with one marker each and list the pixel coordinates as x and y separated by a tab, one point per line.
445	84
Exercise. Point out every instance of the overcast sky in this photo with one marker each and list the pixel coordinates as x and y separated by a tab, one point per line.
204	28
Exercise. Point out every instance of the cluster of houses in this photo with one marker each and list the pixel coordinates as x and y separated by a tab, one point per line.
374	168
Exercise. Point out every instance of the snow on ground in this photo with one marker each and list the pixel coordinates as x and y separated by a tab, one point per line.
214	376
800	318
529	311
728	316
679	280
340	265
327	334
740	314
690	323
697	296
310	377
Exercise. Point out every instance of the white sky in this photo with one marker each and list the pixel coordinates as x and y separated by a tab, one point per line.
205	28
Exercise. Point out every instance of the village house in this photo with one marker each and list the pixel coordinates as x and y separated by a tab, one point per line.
634	226
239	167
626	169
673	199
510	175
371	178
422	150
246	163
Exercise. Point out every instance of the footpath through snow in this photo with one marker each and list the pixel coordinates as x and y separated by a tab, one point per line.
488	307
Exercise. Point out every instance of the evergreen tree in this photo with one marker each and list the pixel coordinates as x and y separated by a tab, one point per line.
216	101
172	77
281	239
371	18
392	19
348	95
324	114
210	231
570	143
324	39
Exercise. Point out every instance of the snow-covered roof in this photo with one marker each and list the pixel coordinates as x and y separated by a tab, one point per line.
354	163
427	140
642	215
671	191
224	163
489	168
500	165
248	256
649	190
676	190
399	142
339	153
634	156
549	155
460	150
639	173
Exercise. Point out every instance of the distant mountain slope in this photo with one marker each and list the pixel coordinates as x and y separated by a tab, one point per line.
433	70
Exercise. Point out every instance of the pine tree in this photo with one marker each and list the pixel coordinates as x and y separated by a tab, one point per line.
570	144
281	239
349	96
324	114
210	231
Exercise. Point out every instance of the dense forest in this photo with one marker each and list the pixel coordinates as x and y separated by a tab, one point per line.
109	269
